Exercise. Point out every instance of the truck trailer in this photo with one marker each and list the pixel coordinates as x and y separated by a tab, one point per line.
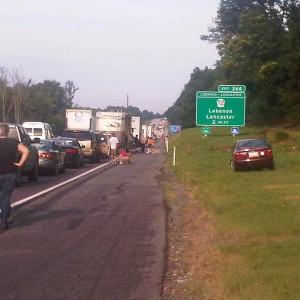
118	123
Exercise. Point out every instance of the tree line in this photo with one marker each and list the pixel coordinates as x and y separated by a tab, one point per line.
47	101
258	43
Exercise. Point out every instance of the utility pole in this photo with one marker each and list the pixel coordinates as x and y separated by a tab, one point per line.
127	100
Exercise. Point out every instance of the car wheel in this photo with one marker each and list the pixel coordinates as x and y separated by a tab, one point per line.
82	162
63	170
93	159
98	158
233	166
54	172
34	173
77	163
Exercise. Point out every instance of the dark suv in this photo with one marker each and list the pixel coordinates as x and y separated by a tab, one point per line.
31	166
88	142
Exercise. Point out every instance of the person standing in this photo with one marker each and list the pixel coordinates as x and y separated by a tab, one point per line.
113	146
9	149
151	143
136	141
143	142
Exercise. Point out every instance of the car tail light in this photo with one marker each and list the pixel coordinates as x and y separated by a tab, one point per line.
45	155
72	151
268	152
265	152
241	155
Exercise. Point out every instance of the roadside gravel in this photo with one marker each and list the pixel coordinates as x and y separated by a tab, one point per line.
176	275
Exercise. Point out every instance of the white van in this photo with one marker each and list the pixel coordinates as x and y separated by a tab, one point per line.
38	130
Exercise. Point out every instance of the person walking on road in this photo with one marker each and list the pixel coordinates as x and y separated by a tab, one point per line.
151	143
113	146
143	142
9	149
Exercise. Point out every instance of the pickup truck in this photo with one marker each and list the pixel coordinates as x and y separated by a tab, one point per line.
31	166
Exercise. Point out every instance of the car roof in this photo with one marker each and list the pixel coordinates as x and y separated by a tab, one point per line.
251	139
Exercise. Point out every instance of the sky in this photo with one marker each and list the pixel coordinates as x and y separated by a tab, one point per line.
117	52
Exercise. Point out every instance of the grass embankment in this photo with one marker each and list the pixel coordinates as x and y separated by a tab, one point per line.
244	227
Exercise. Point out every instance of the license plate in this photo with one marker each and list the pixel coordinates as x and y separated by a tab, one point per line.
253	154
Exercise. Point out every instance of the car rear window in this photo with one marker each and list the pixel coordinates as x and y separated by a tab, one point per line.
79	135
252	143
37	131
67	142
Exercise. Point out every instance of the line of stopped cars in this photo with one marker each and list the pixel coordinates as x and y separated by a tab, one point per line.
48	156
251	154
58	153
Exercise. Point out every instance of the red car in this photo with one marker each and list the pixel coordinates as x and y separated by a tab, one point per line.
252	154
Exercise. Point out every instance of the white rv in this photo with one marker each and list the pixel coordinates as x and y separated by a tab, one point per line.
38	130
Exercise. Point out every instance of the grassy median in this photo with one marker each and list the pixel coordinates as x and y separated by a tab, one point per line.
244	227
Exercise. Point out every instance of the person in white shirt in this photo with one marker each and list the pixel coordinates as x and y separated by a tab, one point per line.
113	146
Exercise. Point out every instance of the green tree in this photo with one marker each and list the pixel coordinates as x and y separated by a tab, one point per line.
70	91
47	103
6	105
183	112
252	39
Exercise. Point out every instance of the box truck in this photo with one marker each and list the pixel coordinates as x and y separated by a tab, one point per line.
80	119
118	123
136	126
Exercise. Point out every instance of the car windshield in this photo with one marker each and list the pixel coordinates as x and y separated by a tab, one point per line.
252	143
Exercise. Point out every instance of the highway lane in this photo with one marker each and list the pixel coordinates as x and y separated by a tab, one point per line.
100	237
26	189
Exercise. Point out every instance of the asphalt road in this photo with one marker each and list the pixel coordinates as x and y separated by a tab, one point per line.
100	237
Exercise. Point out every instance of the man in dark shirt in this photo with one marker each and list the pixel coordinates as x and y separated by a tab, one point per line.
8	170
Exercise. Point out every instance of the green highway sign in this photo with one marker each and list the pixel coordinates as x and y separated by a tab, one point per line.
205	130
232	88
220	108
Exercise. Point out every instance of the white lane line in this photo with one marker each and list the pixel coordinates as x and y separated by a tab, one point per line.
56	186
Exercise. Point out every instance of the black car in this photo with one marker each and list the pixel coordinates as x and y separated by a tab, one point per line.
252	154
31	166
87	139
74	156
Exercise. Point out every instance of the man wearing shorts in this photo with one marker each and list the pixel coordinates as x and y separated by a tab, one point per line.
113	146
